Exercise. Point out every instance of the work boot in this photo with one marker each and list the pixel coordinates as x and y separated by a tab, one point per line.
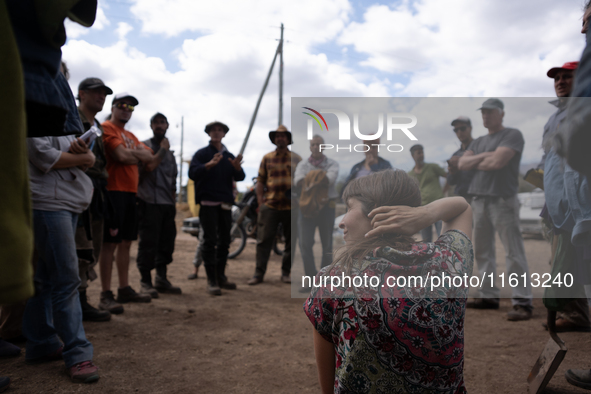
89	312
483	303
127	294
579	377
224	284
108	303
255	280
164	286
519	312
213	288
147	288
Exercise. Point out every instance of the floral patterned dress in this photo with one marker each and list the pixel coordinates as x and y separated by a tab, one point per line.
398	339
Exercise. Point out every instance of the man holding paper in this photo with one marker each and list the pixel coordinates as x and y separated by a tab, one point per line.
92	93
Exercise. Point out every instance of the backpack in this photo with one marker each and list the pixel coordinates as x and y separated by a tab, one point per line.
314	194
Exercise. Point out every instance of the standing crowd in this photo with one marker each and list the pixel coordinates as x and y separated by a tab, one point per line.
95	188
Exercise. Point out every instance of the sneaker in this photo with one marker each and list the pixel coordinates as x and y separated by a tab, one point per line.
164	286
519	313
57	355
127	294
84	372
483	303
7	349
4	383
147	288
579	377
214	290
90	313
108	303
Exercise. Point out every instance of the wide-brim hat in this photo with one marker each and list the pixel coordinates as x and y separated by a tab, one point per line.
280	129
216	123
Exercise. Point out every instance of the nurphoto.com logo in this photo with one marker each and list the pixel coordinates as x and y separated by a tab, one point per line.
393	125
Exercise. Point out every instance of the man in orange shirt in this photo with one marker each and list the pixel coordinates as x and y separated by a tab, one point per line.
124	151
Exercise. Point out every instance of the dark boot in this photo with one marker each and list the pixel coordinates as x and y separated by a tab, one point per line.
90	313
162	284
223	279
213	287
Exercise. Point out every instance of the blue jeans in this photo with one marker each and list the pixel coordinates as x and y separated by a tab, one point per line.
54	312
324	220
427	233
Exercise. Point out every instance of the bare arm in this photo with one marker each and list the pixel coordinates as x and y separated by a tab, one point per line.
124	155
455	212
156	160
497	160
325	363
470	161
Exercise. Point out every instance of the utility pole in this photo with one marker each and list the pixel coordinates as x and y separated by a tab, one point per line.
180	198
281	78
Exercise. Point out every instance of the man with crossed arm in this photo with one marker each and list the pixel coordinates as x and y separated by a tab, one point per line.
495	206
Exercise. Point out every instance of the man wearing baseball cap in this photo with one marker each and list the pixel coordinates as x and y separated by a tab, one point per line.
213	169
274	205
124	151
92	93
563	85
495	206
462	126
574	316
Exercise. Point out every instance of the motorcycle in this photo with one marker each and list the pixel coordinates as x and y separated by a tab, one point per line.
248	206
238	234
244	224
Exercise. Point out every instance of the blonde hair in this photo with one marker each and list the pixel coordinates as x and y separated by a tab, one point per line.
384	188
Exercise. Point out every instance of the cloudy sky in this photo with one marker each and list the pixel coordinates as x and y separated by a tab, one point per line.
207	60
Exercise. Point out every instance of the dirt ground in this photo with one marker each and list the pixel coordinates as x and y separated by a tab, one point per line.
257	339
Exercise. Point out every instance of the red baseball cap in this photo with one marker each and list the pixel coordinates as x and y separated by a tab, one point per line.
566	66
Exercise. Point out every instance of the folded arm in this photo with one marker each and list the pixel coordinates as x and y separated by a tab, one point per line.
497	160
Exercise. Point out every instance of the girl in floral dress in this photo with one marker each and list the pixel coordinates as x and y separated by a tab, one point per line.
388	314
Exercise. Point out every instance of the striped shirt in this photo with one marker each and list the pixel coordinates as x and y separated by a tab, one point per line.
275	174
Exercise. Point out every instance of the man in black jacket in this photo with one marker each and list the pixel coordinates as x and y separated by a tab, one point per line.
213	168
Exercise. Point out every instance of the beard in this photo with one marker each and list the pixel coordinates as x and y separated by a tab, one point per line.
159	137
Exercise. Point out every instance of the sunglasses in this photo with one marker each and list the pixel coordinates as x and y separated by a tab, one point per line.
125	106
461	128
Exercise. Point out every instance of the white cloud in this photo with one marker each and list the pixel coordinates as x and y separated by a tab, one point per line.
308	21
468	48
122	30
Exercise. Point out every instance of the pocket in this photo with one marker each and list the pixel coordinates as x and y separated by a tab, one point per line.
511	202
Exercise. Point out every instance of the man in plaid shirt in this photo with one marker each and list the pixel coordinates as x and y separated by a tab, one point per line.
273	185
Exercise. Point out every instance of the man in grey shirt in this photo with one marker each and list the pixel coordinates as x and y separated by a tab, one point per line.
156	211
495	206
